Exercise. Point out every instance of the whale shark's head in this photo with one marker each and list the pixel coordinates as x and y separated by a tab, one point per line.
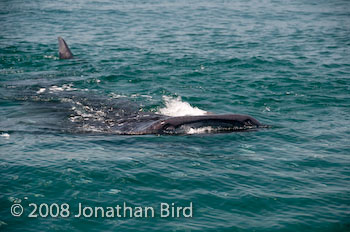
203	124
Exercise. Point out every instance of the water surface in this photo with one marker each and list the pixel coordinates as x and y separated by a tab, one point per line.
285	63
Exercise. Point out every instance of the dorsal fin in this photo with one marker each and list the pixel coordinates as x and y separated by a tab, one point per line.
64	51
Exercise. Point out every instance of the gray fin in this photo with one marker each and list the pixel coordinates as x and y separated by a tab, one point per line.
64	51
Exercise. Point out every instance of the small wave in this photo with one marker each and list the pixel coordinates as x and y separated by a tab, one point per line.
5	135
41	90
176	107
64	87
55	88
51	57
114	95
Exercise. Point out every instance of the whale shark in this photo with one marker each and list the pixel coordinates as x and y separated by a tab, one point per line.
89	112
141	123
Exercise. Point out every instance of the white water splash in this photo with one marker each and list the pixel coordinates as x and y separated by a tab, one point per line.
176	107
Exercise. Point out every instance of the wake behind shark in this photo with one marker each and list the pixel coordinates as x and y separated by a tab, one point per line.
152	123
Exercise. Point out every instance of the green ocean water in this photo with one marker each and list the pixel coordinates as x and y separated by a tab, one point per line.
286	63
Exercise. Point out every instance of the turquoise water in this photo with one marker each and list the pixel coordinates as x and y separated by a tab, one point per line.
286	63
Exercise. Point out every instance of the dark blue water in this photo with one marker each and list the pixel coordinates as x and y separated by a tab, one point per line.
286	63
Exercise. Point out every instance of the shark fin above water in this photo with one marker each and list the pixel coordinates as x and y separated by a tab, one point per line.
64	51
